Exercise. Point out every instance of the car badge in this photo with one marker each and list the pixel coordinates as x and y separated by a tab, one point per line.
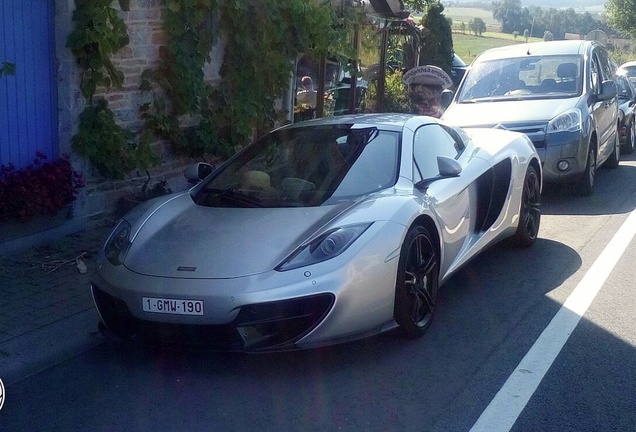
186	269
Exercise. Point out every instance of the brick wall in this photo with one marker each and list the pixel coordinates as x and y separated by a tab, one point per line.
144	22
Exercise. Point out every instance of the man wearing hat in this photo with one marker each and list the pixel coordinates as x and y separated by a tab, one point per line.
424	86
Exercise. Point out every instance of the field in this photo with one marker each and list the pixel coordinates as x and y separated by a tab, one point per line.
468	46
459	14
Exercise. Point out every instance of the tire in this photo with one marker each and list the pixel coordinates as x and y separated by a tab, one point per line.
417	282
529	211
631	136
586	183
615	157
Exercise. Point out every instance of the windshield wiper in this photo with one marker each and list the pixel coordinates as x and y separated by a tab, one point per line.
235	196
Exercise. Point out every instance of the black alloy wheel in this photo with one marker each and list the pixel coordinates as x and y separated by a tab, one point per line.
417	282
530	210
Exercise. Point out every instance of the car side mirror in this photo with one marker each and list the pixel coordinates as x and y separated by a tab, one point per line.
608	90
446	99
447	167
198	171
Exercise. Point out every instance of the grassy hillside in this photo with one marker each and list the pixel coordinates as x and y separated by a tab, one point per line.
468	46
459	14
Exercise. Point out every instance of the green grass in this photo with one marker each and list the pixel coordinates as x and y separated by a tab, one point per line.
459	14
468	46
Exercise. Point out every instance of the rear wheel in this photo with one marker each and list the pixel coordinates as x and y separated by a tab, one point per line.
417	282
631	135
530	210
612	161
586	183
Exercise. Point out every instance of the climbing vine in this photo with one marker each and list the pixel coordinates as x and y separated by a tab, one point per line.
99	32
260	40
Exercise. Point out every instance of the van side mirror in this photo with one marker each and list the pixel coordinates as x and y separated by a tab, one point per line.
608	90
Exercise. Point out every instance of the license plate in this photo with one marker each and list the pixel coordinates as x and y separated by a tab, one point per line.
172	306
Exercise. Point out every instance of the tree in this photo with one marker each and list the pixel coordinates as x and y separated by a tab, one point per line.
509	13
515	34
477	26
462	27
526	34
548	36
622	15
438	43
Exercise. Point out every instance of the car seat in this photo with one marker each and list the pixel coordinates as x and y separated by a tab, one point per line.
567	72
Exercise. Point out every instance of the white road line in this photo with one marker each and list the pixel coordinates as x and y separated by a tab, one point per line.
504	409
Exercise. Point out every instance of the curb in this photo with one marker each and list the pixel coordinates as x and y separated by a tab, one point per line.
41	349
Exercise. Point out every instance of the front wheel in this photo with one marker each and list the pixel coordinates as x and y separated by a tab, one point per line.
586	183
530	210
417	282
612	161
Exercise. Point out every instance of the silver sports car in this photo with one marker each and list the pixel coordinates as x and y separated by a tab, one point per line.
320	232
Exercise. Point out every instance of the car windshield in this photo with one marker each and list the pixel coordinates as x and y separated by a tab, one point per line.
629	71
624	89
305	166
538	77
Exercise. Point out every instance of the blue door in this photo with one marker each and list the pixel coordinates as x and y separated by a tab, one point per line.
28	102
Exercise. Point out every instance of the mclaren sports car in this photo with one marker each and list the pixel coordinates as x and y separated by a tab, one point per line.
320	232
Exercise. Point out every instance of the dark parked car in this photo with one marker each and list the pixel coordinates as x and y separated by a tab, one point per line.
627	113
458	70
562	94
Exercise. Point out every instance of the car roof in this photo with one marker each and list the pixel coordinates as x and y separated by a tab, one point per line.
566	47
383	120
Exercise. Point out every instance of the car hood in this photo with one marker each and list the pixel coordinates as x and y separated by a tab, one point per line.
182	239
491	113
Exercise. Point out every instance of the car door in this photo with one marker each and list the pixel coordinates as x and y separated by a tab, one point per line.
450	198
605	112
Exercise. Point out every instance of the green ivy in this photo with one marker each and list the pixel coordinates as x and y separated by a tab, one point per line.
261	40
99	32
7	68
108	146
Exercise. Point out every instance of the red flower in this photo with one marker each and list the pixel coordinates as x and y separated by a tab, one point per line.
40	188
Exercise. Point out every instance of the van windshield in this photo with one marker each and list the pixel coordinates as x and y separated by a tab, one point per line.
533	77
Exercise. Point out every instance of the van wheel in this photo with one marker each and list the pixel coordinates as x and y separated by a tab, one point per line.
612	161
629	145
530	210
586	184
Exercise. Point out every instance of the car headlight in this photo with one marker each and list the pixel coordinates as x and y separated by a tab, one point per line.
324	247
569	121
118	243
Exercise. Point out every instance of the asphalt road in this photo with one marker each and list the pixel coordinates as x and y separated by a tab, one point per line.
489	317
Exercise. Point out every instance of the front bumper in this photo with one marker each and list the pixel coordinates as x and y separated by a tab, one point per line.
265	326
338	299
